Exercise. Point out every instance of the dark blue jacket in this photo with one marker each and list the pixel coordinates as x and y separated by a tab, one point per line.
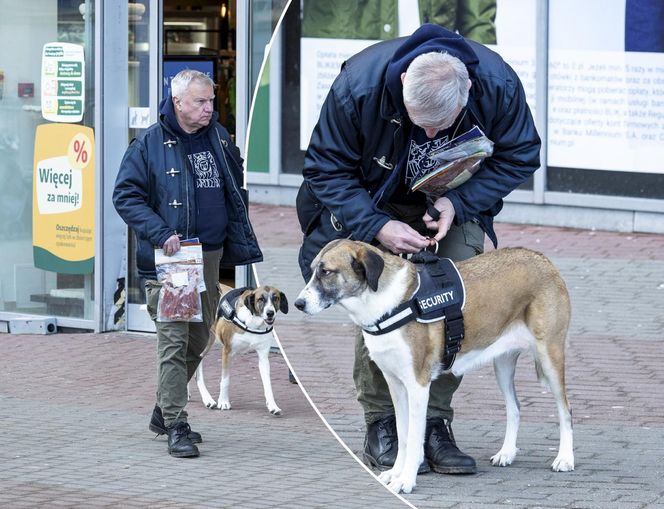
154	195
362	132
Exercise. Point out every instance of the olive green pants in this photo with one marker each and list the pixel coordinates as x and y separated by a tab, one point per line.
179	344
460	243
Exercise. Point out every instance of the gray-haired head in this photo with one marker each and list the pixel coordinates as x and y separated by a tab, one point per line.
435	89
180	83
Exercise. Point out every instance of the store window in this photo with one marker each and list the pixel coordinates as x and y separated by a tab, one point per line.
606	98
49	86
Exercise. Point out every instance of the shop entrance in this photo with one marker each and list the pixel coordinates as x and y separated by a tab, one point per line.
195	34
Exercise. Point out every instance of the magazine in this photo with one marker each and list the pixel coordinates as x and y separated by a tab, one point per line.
459	159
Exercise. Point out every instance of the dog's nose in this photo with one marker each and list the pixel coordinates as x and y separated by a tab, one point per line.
270	313
300	304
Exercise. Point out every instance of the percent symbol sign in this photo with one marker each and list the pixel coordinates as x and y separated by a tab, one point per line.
81	153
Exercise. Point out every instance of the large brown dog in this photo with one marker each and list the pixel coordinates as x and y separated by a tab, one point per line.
516	301
254	313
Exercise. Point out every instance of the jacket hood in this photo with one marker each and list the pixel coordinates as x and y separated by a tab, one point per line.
170	121
427	38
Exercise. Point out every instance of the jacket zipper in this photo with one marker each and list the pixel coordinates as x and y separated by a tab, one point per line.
186	189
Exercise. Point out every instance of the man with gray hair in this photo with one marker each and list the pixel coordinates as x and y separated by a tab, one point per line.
182	179
391	106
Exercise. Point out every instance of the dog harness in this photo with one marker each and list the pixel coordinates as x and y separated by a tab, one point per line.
226	310
440	295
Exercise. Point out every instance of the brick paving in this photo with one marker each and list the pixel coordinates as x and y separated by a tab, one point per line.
76	406
614	376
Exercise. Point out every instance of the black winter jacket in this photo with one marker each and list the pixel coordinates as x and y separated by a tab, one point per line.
361	134
154	195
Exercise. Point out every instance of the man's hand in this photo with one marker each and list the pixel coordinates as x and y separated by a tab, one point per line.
443	223
399	238
172	245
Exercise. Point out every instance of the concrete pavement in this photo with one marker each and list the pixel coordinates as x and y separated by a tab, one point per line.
76	406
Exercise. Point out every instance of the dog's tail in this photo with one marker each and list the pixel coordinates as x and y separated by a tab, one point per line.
222	290
211	340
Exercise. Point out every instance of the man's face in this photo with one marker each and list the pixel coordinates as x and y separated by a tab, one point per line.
194	108
432	131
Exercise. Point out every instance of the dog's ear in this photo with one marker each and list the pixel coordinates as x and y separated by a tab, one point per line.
370	265
250	302
283	303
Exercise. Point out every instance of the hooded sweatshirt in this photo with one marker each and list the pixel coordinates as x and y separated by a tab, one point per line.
207	170
426	39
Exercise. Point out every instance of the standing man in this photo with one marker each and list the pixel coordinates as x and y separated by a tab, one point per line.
182	179
389	108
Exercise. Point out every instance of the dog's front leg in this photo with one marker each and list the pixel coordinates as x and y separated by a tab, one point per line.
208	401
410	401
418	398
399	397
264	369
224	382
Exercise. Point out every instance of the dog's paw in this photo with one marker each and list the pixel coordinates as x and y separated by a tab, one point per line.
274	410
401	485
504	457
209	402
224	405
563	464
386	477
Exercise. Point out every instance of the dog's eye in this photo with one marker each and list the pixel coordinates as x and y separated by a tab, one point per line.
261	299
323	272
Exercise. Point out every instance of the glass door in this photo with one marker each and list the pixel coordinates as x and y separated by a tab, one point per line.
144	63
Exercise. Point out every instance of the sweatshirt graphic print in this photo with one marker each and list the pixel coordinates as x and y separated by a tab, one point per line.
205	170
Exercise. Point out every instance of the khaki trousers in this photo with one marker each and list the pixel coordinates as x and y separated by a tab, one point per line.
179	344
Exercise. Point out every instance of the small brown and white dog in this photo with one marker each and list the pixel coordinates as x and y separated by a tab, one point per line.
244	326
516	301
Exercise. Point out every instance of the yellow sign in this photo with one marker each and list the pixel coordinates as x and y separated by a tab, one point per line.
63	204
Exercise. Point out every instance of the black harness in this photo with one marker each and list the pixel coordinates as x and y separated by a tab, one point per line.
226	310
440	295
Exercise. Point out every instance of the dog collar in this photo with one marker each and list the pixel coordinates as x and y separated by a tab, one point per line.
440	295
226	310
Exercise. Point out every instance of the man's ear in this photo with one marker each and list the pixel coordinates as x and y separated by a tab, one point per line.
470	83
369	264
403	77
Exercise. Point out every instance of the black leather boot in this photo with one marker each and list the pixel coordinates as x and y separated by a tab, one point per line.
441	450
381	445
179	444
157	426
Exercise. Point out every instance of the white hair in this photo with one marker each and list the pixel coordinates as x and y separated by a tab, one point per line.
180	83
435	88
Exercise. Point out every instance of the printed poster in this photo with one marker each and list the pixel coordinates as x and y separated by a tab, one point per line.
63	205
605	102
63	82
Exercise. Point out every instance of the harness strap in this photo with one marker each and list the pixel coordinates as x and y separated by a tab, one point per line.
245	328
398	317
454	333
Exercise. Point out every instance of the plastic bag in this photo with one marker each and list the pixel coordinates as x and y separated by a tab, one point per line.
181	278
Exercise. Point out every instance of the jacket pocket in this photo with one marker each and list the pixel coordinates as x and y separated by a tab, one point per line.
309	209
